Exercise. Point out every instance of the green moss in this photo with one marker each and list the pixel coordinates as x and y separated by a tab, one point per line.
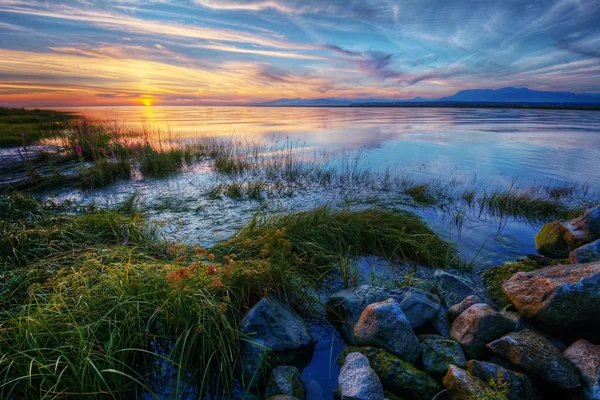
397	376
494	278
550	240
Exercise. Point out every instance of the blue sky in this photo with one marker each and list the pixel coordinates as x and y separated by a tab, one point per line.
231	51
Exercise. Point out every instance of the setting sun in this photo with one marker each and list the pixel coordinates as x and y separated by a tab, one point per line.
147	102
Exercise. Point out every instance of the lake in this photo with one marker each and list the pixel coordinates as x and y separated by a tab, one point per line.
481	148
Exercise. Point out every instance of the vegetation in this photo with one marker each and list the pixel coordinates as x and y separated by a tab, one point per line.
24	127
494	278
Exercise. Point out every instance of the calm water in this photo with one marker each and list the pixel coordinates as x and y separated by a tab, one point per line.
544	146
490	145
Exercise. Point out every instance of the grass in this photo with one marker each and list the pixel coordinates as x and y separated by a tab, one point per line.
25	127
98	304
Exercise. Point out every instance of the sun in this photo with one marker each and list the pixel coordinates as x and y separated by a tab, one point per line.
147	103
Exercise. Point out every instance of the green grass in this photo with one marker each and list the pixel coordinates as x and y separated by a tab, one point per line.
20	126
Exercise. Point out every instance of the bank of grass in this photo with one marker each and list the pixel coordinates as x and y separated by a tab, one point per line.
97	304
20	126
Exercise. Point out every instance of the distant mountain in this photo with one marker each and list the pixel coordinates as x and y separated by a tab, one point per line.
519	95
508	95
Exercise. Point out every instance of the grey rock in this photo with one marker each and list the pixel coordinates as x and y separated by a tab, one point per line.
437	355
459	308
586	358
536	354
397	376
519	385
286	380
384	325
441	324
345	307
586	253
270	325
463	386
358	381
477	326
561	295
453	288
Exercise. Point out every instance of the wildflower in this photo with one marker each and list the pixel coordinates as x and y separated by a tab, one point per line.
217	283
222	307
212	270
113	155
210	257
78	150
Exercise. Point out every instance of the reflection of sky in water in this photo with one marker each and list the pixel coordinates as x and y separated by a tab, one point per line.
536	145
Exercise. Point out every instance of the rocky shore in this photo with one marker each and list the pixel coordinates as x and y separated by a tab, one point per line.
526	330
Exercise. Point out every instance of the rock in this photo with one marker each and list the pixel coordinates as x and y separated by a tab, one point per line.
384	325
559	296
586	253
524	323
282	397
557	238
397	376
537	355
358	381
286	380
441	324
586	358
270	324
583	229
550	240
494	278
429	336
438	354
452	288
462	386
346	306
477	326
458	309
519	385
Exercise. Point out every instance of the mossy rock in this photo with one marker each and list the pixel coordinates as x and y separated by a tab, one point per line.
396	376
550	240
494	278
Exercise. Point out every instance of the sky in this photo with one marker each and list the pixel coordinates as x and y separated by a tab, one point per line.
192	52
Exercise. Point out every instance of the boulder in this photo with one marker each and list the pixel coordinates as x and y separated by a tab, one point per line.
463	386
550	240
436	355
557	238
586	358
494	278
345	307
358	381
458	309
559	296
452	288
519	385
397	376
477	326
271	329
536	354
384	325
586	253
286	380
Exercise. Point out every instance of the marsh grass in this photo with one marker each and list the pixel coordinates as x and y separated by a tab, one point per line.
20	126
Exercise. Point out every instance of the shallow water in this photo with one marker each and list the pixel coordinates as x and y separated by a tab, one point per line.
489	146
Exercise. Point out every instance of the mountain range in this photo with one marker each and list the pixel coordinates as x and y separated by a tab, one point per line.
507	95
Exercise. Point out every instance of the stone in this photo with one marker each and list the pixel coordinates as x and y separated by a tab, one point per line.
494	278
550	240
463	386
586	358
282	397
559	296
358	381
345	307
583	229
384	325
436	355
477	326
452	288
270	325
457	309
519	385
441	324
538	355
586	253
397	376
286	380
